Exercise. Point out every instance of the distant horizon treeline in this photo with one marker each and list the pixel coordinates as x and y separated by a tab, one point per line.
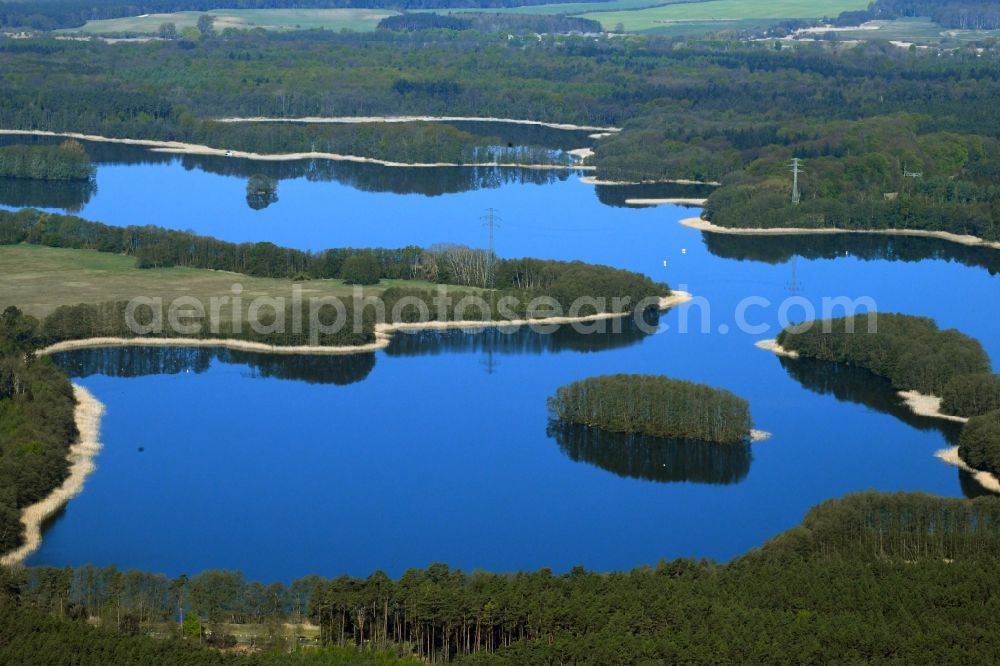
65	162
656	406
909	559
56	14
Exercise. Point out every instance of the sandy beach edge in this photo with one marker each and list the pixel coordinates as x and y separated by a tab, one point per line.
594	180
773	347
676	201
922	404
383	334
357	120
88	413
759	435
985	479
704	225
180	148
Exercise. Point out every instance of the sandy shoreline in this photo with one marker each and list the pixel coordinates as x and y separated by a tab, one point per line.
759	435
383	334
593	180
773	347
985	479
88	413
928	405
704	225
180	148
676	201
357	120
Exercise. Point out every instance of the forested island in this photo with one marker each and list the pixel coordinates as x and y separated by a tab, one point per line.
914	354
65	162
656	406
911	352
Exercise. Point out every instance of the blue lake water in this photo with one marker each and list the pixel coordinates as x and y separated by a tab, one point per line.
440	447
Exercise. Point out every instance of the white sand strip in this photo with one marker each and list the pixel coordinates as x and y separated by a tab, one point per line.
180	148
592	180
88	413
383	334
704	225
676	201
928	405
357	120
760	435
985	479
773	347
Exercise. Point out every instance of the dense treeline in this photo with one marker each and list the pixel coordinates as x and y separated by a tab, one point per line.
656	406
888	172
484	22
68	161
912	352
962	14
54	14
36	424
923	565
288	327
969	395
979	444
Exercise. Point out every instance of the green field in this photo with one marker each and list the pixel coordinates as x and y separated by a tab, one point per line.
38	279
720	11
244	19
570	8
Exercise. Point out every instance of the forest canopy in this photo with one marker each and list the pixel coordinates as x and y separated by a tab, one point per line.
911	352
656	406
68	161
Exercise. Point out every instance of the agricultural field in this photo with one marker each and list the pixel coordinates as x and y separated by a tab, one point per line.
573	8
358	20
707	14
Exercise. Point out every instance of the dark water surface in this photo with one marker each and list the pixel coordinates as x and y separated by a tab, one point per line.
440	448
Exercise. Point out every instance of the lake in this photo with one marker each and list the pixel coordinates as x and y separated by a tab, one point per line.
440	448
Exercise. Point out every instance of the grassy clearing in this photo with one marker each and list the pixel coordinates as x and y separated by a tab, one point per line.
359	20
39	279
651	18
570	8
